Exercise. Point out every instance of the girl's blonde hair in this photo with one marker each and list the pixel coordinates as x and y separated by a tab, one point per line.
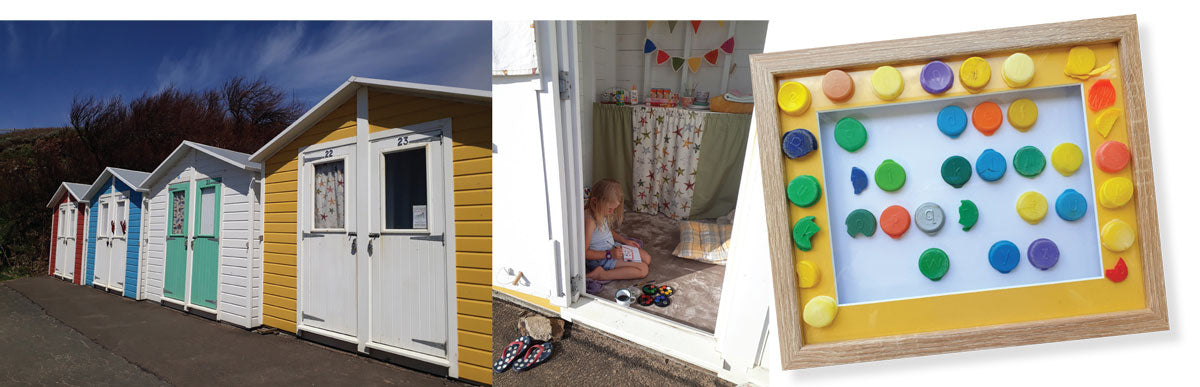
606	191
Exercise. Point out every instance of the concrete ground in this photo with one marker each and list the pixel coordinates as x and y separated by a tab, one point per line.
54	332
588	357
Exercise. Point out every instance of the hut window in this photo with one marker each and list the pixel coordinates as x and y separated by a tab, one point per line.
329	195
178	212
405	193
208	199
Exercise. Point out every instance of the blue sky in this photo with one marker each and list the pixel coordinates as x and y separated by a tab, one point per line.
44	65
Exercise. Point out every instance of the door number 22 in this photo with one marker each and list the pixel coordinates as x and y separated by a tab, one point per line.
329	153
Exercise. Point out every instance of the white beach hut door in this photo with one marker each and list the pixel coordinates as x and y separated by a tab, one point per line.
66	259
328	262
59	252
119	242
407	247
104	230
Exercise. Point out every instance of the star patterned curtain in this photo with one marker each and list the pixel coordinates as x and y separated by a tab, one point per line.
179	212
666	151
330	195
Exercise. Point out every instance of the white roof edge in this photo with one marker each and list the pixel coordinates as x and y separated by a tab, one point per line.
162	167
109	171
65	188
342	92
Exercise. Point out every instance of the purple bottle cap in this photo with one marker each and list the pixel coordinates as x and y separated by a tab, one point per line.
1043	254
936	77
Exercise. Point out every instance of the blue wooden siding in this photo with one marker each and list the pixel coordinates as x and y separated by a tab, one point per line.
133	235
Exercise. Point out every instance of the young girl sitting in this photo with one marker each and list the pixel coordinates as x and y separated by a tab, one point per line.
610	256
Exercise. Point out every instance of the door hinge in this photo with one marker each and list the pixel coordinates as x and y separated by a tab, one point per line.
438	345
576	285
439	238
307	316
564	85
211	302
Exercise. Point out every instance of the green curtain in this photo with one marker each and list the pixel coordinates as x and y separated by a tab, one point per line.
612	145
722	151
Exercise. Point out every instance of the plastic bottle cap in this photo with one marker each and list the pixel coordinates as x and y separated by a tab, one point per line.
987	117
929	218
1106	120
860	222
1116	235
952	120
956	171
974	73
1004	256
1115	192
798	143
1022	114
1018	70
858	179
850	134
894	221
890	176
1067	158
807	274
1118	272
1112	156
887	82
803	232
794	98
1101	95
1029	161
837	86
820	311
804	190
990	165
968	214
936	77
1080	61
934	264
1032	207
1043	254
1070	205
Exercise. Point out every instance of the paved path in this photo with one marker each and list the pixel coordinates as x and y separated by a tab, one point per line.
588	357
143	343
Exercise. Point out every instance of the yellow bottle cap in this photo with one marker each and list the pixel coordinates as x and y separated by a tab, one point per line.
974	73
1115	192
1032	207
820	311
1080	61
794	98
1116	235
1022	114
1066	158
887	82
1018	70
807	274
1106	120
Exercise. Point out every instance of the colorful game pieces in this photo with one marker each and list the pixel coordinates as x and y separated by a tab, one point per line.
1029	161
1022	114
987	118
887	83
1070	205
990	165
794	98
1106	120
1032	207
820	311
894	221
1118	272
850	134
934	264
1017	70
889	176
798	143
662	301
807	274
860	222
1043	254
1004	256
1116	235
1080	61
952	120
803	232
974	73
956	171
858	179
929	218
1112	156
936	77
1101	95
1115	192
968	214
837	86
804	190
1066	158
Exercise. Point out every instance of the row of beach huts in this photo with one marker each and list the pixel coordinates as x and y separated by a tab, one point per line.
365	225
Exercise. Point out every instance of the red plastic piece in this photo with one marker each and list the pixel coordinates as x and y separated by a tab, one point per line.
894	221
1112	156
1101	95
1118	272
987	118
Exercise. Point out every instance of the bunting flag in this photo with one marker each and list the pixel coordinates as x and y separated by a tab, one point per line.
721	23
649	23
671	26
694	63
696	26
676	63
727	46
711	56
663	56
650	47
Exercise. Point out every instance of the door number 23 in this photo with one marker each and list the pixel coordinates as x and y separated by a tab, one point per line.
402	141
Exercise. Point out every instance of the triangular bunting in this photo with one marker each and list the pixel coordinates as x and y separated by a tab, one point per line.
694	63
650	47
662	57
676	63
721	23
727	46
711	56
671	27
696	26
649	23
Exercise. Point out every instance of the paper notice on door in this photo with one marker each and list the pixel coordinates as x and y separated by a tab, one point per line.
419	217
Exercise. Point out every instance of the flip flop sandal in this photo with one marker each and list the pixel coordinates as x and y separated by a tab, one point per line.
514	350
662	301
537	354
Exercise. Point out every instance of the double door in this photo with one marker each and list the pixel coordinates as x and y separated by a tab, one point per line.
112	241
64	253
193	243
395	232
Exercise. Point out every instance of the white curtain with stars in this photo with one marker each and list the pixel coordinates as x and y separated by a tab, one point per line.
666	151
330	195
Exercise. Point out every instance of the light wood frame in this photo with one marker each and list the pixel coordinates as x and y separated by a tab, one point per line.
767	69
